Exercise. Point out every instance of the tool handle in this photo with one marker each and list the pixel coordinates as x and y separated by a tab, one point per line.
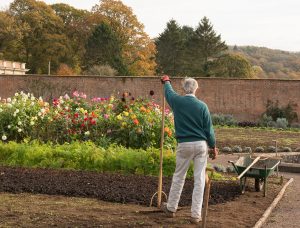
245	171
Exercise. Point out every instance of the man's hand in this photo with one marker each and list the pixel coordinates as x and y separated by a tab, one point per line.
164	79
213	153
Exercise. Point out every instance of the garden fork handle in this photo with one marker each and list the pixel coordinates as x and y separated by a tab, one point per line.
159	191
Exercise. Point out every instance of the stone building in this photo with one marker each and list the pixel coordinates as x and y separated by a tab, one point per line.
12	68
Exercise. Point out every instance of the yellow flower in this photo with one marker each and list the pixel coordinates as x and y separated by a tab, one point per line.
124	124
119	117
133	116
125	113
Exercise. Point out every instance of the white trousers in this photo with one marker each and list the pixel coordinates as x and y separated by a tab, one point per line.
185	153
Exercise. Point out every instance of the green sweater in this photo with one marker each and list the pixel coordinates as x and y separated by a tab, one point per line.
191	116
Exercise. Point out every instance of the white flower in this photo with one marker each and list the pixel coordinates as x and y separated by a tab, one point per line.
19	130
32	104
16	94
15	114
67	97
56	112
31	123
19	123
32	98
39	113
1	109
4	137
8	100
17	111
9	105
40	99
8	126
87	133
43	110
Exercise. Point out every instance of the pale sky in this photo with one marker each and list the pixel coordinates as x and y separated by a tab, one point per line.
265	23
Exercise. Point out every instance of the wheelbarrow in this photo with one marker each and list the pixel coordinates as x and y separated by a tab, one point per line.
258	168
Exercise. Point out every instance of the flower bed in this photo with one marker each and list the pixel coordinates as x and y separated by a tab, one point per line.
127	121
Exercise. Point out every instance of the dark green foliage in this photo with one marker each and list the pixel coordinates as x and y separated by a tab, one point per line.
288	112
170	46
183	51
232	66
208	46
104	48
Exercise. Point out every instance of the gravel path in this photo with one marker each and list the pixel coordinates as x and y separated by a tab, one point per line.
287	212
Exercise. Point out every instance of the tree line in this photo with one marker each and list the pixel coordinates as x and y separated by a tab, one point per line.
109	40
75	40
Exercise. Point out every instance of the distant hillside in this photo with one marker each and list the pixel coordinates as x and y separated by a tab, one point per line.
270	63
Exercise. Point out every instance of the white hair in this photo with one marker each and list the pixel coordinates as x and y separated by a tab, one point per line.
189	85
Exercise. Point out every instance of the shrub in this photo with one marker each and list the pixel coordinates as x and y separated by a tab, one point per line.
271	149
247	124
288	112
281	123
219	168
295	125
101	70
64	69
223	120
237	149
259	149
266	121
248	149
286	149
226	149
230	169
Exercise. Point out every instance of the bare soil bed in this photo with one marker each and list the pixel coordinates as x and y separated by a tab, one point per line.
135	189
227	208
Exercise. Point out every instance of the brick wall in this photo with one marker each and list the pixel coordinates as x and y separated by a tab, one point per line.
245	99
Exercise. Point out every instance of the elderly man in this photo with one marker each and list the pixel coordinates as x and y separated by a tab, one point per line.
195	137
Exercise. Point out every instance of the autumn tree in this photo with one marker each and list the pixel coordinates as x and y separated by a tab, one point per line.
138	50
44	40
104	48
10	37
77	27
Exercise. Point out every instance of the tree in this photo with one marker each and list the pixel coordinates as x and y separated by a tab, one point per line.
44	40
232	66
170	46
138	50
205	47
10	37
104	48
77	27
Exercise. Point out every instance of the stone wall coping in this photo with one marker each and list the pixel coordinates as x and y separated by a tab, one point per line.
149	77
